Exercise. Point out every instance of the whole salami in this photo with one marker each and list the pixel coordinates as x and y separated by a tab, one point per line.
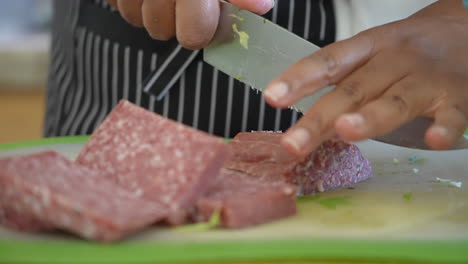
334	164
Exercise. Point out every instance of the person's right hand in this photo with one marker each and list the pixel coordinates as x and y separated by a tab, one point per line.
193	22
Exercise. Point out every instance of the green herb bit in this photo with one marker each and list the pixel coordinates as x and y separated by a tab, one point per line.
395	161
334	202
241	19
415	159
215	219
308	198
243	36
213	222
450	182
239	77
265	20
408	196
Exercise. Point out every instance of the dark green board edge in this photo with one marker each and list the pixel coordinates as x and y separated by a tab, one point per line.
417	251
290	250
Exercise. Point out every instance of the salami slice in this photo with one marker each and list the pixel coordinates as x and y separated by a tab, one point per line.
164	161
334	164
263	136
267	152
245	201
13	219
45	191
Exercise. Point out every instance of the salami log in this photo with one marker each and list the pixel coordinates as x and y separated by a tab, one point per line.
332	165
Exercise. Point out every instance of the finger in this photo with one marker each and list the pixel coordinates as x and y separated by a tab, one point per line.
359	88
131	11
373	77
297	140
324	67
113	3
257	6
196	22
402	102
159	18
448	127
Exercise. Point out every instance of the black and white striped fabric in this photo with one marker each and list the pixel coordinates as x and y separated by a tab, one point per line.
98	59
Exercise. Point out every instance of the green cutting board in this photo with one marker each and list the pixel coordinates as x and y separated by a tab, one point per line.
402	214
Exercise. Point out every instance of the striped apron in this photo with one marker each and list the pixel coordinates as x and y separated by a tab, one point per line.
98	59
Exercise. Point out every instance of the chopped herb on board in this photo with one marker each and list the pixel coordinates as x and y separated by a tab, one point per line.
333	202
328	202
213	222
241	19
396	161
408	196
265	20
450	182
243	36
415	159
308	198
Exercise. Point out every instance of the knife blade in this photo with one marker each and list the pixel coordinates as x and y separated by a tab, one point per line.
270	50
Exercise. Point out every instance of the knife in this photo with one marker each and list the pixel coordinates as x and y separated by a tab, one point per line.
269	50
255	51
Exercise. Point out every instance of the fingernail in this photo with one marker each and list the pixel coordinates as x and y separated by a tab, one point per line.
442	131
264	6
298	139
273	3
277	91
356	120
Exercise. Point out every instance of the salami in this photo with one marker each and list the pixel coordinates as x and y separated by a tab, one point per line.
245	201
334	164
13	219
46	191
164	161
263	136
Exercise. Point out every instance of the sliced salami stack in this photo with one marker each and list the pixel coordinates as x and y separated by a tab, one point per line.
46	191
243	200
334	164
139	169
159	159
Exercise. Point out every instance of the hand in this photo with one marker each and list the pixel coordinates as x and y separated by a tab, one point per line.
384	77
194	22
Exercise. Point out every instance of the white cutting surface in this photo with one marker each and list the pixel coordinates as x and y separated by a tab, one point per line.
378	209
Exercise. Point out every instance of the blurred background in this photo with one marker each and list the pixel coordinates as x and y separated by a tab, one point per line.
24	44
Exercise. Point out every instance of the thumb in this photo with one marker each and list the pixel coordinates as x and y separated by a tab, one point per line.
257	6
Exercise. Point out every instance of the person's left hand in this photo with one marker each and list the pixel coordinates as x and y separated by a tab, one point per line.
384	77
